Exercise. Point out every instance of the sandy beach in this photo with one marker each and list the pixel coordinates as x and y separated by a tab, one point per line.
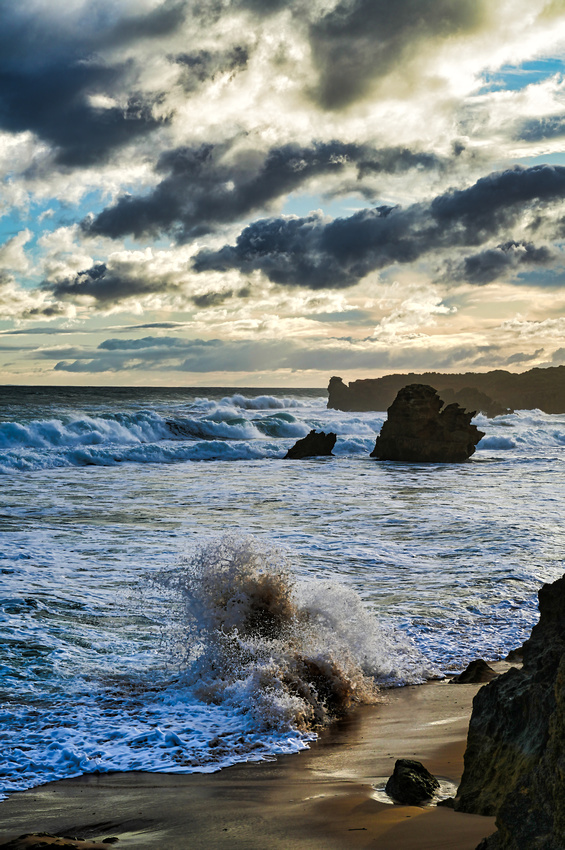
322	798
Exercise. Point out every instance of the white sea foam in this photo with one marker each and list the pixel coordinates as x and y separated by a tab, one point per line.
255	427
266	402
294	654
446	558
257	660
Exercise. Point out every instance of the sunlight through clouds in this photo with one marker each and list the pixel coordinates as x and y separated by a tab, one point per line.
253	172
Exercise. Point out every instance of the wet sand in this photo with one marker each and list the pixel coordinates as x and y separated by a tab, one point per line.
320	799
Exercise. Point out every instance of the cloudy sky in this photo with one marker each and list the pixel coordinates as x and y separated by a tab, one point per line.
270	192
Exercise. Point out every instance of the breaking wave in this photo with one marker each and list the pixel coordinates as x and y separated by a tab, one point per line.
142	437
265	402
290	654
235	427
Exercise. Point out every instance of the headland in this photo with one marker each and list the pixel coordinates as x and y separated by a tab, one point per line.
493	393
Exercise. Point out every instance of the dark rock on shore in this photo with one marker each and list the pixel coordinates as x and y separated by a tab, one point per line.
515	762
314	444
476	672
418	430
515	655
411	783
492	393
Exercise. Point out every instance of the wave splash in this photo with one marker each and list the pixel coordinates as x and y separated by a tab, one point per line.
289	654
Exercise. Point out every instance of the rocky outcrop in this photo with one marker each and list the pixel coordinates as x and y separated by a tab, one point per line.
491	393
473	399
515	759
314	444
418	430
411	783
475	673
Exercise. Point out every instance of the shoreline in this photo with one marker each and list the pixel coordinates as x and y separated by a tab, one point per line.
320	799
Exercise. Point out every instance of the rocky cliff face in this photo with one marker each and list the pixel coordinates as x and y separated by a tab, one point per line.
515	758
418	430
492	393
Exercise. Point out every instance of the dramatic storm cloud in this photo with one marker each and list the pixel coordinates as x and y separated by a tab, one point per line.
210	184
50	79
493	263
360	41
290	188
318	254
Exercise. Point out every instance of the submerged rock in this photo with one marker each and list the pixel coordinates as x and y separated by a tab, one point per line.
314	444
476	672
418	430
411	783
515	762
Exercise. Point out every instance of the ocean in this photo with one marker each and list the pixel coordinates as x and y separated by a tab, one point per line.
177	597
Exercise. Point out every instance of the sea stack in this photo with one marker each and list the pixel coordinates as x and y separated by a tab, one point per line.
419	431
314	444
514	763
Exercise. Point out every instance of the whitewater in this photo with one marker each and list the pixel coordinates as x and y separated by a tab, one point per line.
176	596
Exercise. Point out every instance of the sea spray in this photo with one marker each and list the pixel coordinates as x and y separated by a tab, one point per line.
291	654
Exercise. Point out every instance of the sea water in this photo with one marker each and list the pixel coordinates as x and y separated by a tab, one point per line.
177	597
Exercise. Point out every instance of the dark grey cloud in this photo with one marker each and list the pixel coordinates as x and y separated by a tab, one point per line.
211	299
492	263
154	325
54	106
210	185
164	19
495	201
48	331
109	286
538	129
263	7
359	41
203	65
147	342
523	357
48	74
318	254
352	316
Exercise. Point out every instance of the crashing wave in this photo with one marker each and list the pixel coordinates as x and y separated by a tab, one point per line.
292	654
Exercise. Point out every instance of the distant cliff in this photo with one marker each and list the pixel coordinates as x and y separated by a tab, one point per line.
492	393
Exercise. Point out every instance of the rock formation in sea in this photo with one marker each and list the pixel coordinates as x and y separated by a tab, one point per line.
314	444
515	757
491	393
418	430
411	783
